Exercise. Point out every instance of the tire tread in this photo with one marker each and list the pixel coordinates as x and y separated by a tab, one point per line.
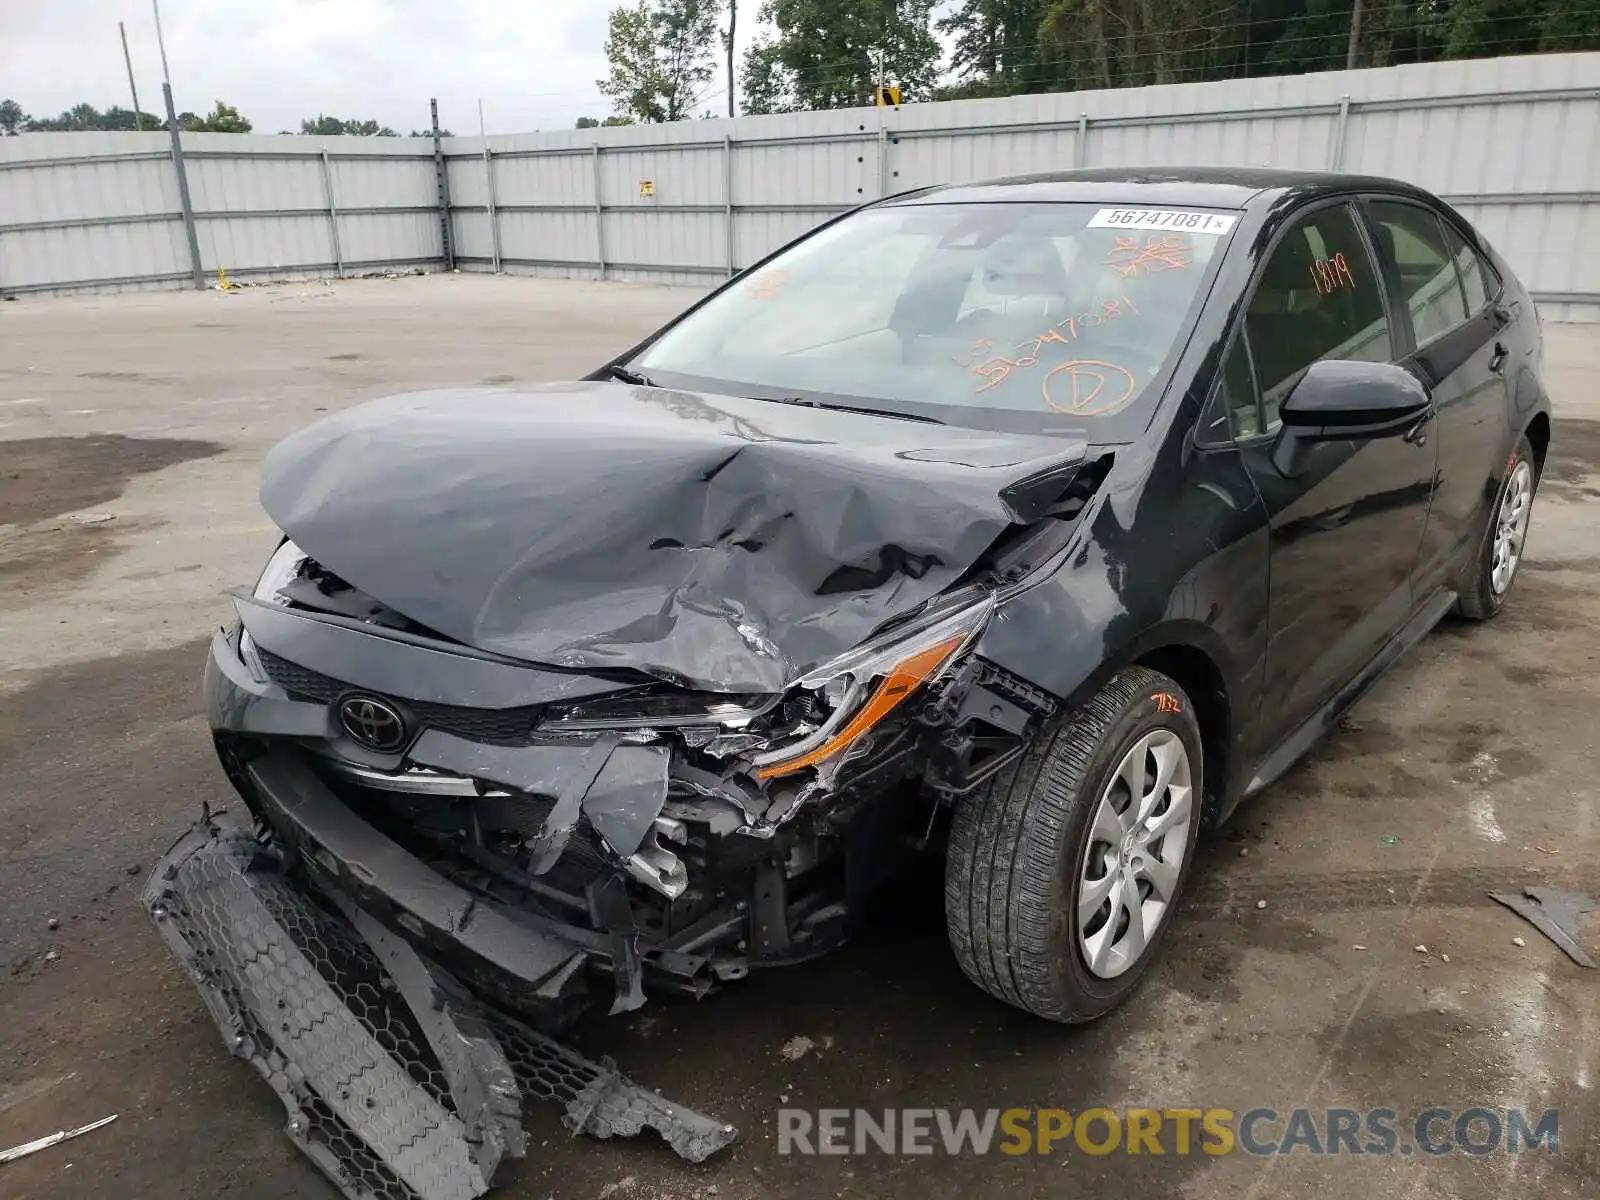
1004	854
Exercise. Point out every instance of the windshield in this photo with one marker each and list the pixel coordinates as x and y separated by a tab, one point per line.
1038	317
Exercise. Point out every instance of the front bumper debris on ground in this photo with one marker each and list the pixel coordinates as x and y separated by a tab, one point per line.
397	1081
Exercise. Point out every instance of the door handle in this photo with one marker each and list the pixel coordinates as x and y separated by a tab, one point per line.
1497	360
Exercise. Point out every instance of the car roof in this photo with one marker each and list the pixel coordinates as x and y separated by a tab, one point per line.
1206	187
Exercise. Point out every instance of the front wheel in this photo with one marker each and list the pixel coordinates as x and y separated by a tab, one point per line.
1063	872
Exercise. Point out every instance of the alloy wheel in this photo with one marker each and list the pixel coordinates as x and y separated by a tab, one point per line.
1140	833
1511	527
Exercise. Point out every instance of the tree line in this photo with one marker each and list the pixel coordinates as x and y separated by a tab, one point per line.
672	59
223	118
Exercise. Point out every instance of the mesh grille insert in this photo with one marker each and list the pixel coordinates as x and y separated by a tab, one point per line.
497	726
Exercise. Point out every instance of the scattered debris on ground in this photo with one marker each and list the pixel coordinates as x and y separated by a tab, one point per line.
1554	914
797	1048
44	1143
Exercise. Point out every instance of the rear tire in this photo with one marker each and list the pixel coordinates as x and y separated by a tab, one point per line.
1038	848
1505	533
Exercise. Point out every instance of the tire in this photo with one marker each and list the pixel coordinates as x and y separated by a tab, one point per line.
1482	595
1018	852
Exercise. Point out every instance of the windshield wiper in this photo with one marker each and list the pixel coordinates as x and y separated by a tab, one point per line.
617	371
806	402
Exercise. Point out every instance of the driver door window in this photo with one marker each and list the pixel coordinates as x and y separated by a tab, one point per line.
1318	297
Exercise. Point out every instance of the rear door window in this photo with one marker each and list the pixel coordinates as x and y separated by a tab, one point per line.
1318	297
1478	279
1412	238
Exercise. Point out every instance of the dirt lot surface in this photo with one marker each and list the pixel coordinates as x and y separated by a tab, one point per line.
131	430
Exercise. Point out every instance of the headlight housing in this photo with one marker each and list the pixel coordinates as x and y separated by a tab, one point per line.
282	569
863	687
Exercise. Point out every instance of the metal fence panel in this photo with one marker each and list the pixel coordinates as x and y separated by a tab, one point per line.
671	240
1514	143
373	240
256	245
46	259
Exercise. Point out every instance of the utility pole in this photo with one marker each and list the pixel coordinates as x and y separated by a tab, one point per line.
138	121
1355	37
733	16
161	44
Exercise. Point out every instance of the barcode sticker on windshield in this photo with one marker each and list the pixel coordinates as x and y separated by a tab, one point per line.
1215	224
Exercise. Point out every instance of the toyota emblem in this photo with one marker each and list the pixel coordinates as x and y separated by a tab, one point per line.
375	724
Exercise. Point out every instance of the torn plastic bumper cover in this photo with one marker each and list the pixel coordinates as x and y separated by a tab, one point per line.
397	1081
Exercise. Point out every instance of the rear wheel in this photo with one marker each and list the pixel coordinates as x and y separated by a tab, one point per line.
1064	871
1503	541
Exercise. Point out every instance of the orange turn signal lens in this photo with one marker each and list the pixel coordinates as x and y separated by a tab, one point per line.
907	676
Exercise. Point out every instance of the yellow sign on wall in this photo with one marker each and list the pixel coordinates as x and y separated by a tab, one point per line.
647	187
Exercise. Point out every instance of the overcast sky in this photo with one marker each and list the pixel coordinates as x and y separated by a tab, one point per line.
533	62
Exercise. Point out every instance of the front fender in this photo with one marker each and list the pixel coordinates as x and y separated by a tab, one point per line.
1183	564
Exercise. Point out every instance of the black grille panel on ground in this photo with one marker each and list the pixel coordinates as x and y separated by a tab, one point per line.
299	994
498	726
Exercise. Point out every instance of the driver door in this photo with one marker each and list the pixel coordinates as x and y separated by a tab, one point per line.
1345	532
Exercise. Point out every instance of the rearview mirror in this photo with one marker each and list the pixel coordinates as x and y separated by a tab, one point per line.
1337	401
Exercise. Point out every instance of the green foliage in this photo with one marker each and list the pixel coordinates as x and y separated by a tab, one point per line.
660	56
337	126
998	50
828	53
1005	47
223	118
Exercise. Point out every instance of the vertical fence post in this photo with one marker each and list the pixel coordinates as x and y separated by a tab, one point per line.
727	205
333	216
447	241
184	201
883	156
488	188
599	214
1336	150
1080	147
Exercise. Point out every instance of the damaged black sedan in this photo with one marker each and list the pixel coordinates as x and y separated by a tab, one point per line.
1033	524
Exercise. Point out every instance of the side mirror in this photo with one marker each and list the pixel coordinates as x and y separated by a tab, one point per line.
1354	400
1339	401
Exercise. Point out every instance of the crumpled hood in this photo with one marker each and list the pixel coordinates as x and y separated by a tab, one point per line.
722	543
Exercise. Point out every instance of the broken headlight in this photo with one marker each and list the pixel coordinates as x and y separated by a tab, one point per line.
858	690
283	568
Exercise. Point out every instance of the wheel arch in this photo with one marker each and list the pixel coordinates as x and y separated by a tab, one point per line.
1202	680
1194	656
1538	435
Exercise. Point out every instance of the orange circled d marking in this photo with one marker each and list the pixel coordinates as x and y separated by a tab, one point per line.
1089	378
906	677
767	285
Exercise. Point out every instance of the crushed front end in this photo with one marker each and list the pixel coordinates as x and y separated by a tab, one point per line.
559	837
513	771
449	856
